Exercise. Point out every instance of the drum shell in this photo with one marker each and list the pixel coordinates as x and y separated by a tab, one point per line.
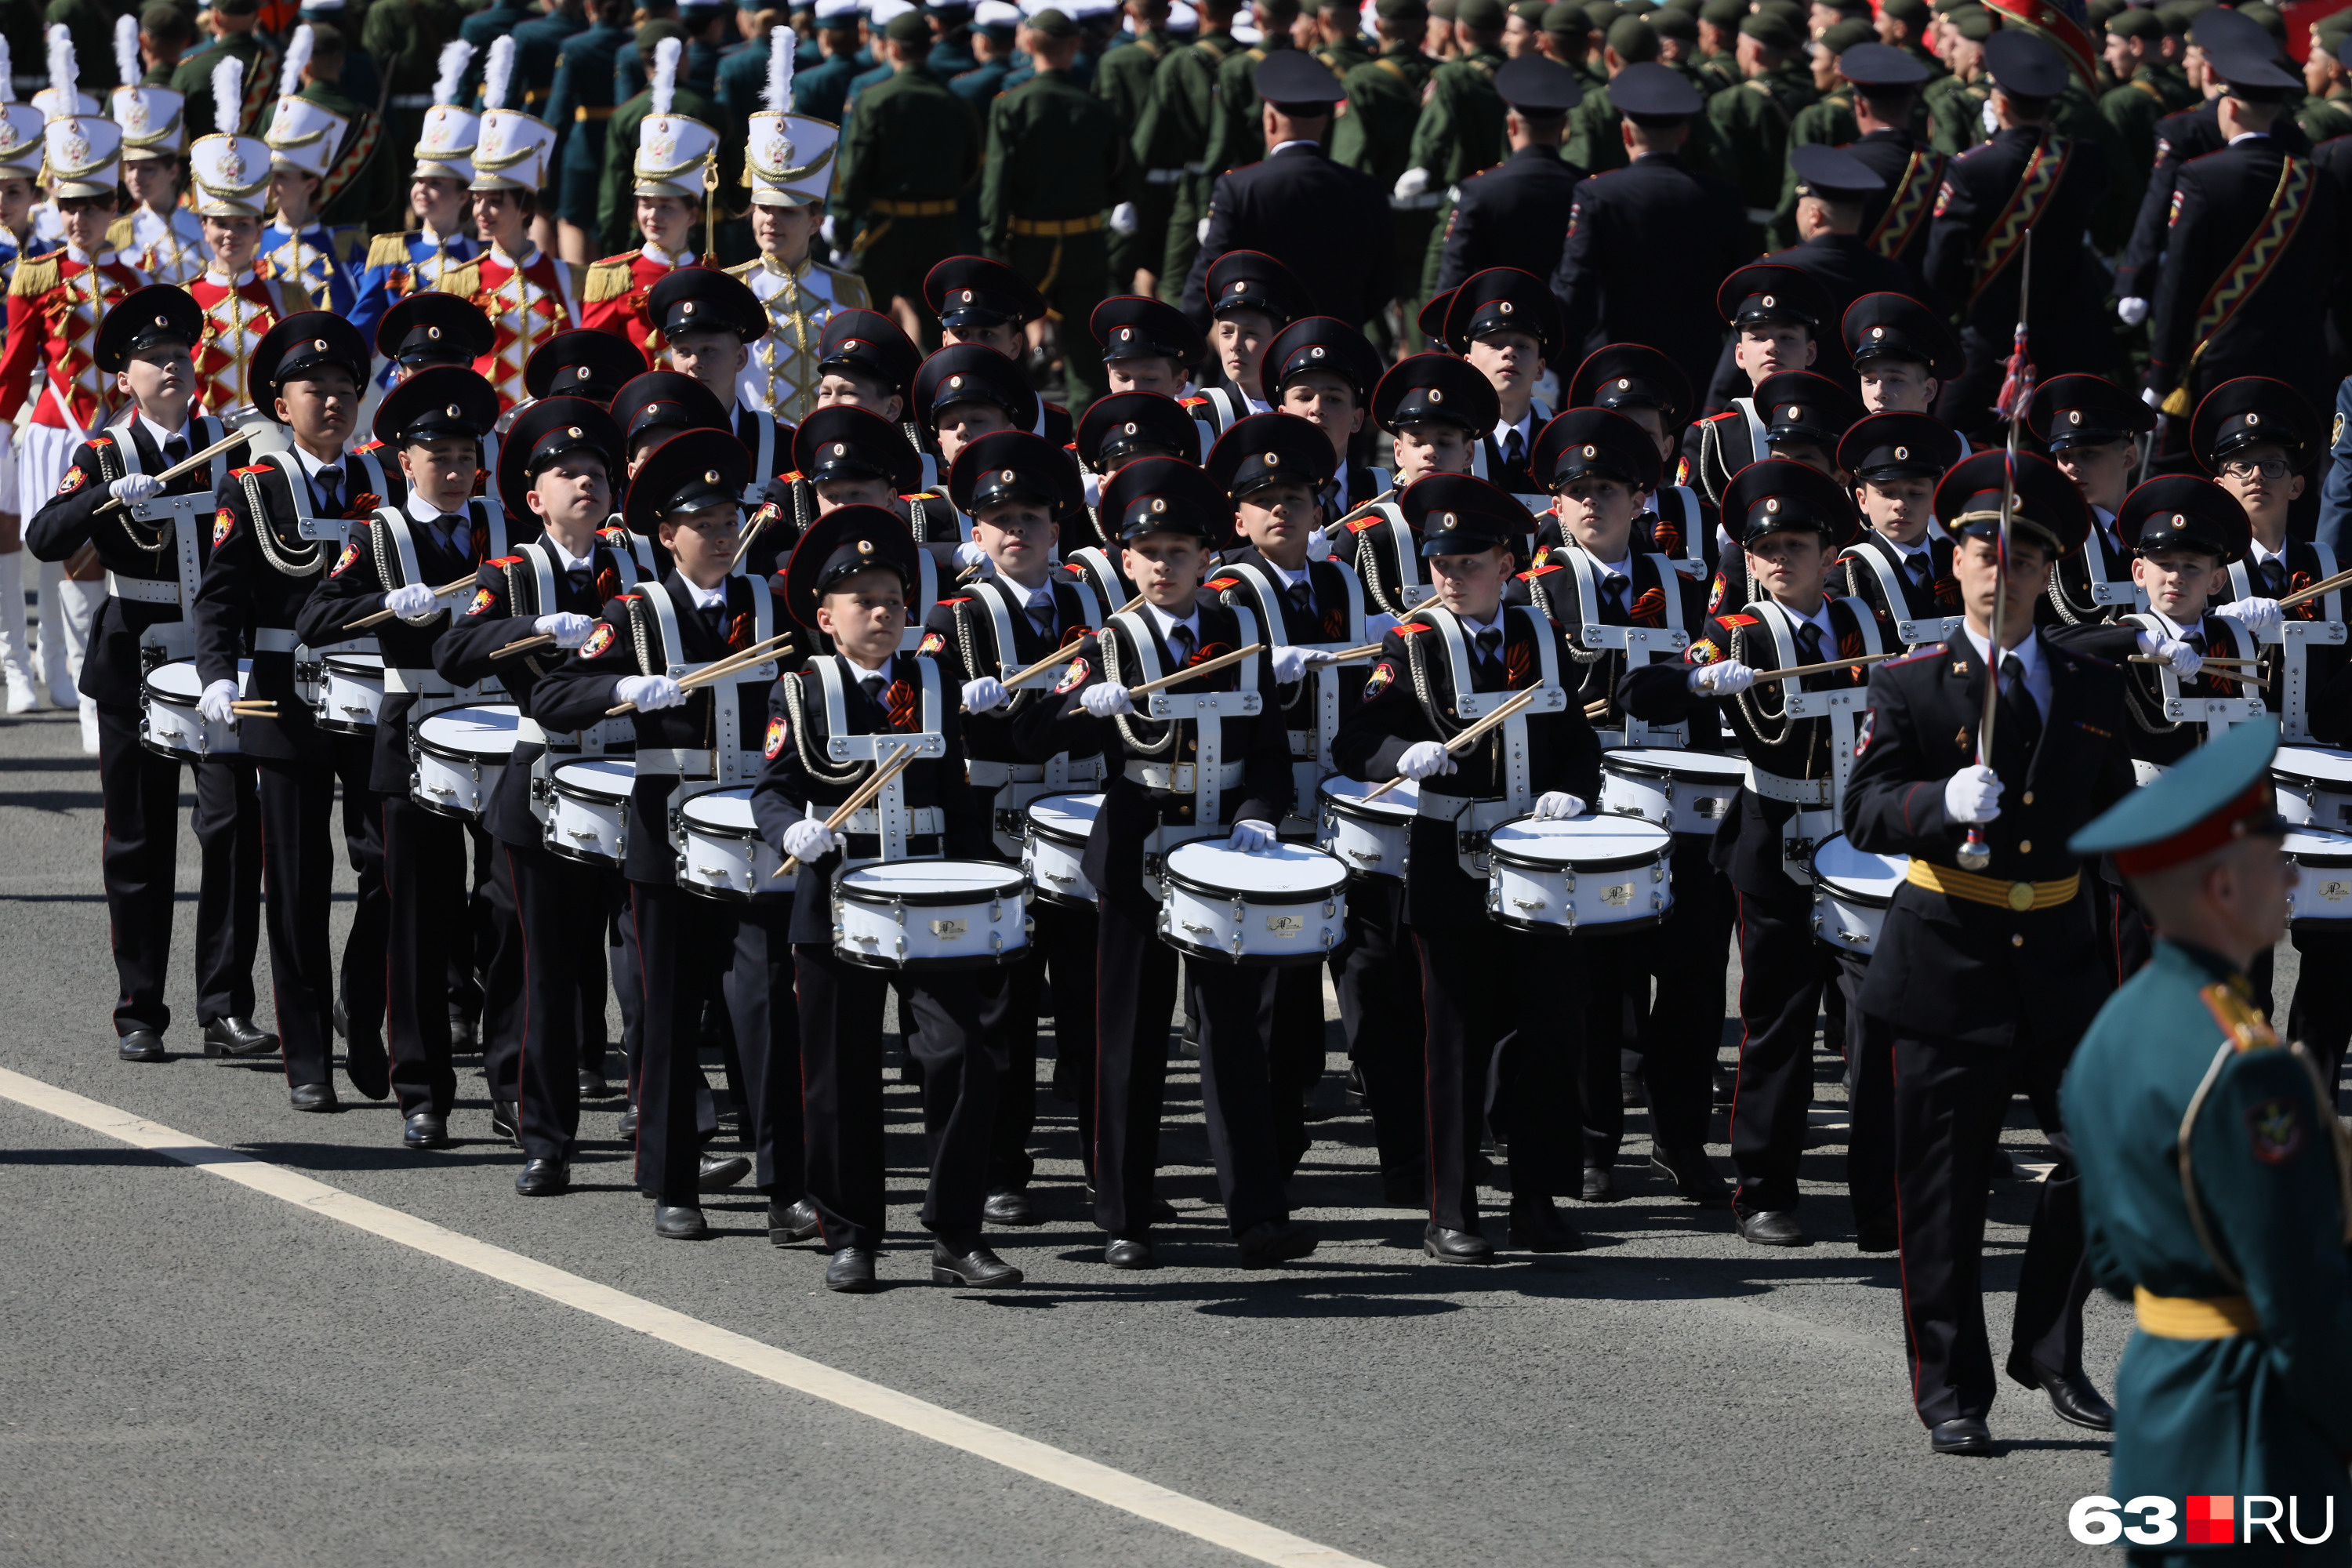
1603	896
350	695
725	860
1255	929
1371	843
169	724
2304	798
2322	895
1847	917
1053	856
587	825
878	930
453	780
1688	803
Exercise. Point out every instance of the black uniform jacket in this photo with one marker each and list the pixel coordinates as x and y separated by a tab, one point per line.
1889	154
1846	270
1939	596
961	636
2070	333
1326	222
1591	674
1323	620
1954	967
1514	214
2180	139
2146	734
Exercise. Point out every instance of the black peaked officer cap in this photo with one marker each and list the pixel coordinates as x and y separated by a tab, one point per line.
1164	495
1115	426
1015	464
150	317
1632	375
1796	403
1880	65
1888	325
2250	69
1295	80
2085	410
870	343
1538	87
2184	512
1431	319
1648	93
2049	507
1503	299
1321	342
973	292
1594	442
701	298
1897	445
582	362
549	430
1436	389
658	398
302	344
844	441
1267	450
2252	411
1770	291
1136	326
1252	280
691	471
1832	174
1460	514
972	373
2024	65
441	402
1782	496
434	328
837	547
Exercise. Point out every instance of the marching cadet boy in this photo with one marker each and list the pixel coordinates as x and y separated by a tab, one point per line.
1436	408
594	365
279	523
1114	432
1902	352
1505	323
967	391
2092	429
982	301
1250	296
1482	981
154	549
1618	604
1146	346
690	740
434	423
1012	485
1167	513
705	324
1323	369
1648	388
1901	566
850	579
1774	312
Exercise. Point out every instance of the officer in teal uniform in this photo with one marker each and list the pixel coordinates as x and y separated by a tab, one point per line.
2213	1180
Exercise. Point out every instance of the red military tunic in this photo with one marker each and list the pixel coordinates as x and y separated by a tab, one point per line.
54	308
237	316
526	304
613	297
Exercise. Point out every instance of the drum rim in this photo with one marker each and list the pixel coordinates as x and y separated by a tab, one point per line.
1502	855
1056	835
1823	879
1175	878
344	662
442	752
1015	882
1586	927
2344	753
1620	762
1403	811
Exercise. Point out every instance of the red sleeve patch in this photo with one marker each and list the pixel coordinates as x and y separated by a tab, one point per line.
1075	678
1382	673
932	643
75	479
1702	652
598	640
777	733
483	600
223	524
350	554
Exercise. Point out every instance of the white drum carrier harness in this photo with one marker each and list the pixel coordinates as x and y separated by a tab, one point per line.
1910	631
2294	640
725	763
318	533
1640	645
1012	785
1310	750
1386	525
1208	776
396	564
563	747
1691	524
889	818
1472	817
1818	801
177	529
2216	713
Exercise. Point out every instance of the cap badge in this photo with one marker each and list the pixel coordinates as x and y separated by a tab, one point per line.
1591	452
1503	307
451	411
1129	428
967	296
162	320
1624	385
433	333
1315	354
1772	506
1767	301
2178	520
1438	394
1447	520
579	373
232	167
954	382
2253	418
1792	412
865	546
572	431
2074	416
686	308
1124	333
1158	506
1901	453
841	449
1239	285
711	475
1273	459
318	344
1006	476
1878	332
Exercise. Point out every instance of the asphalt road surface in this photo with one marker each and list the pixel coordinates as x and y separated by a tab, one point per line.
199	1370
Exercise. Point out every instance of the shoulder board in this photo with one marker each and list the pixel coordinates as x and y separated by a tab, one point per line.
614	535
607	279
1371	519
1219	584
744	270
1406	628
503	561
36	274
369	446
1738	620
122	232
1196	401
256	468
387	250
98	441
960	599
2240	1019
1530	576
464	279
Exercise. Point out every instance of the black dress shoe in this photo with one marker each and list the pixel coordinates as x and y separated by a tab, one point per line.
314	1097
1405	1188
1129	1252
238	1038
1693	1175
628	1124
2071	1394
1007	1206
368	1067
593	1085
1272	1242
679	1222
141	1045
851	1272
1877	1238
961	1263
502	1120
1539	1227
544	1179
720	1172
1600	1184
1968	1435
788	1223
1771	1229
1456	1246
427	1130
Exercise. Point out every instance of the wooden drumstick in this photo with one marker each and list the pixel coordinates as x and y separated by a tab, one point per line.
443	592
2325	586
236	437
525	646
733	664
2227	669
1792	673
856	803
1345	655
1461	743
1209	667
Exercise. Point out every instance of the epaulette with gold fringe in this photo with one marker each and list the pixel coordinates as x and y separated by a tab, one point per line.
122	233
607	279
38	274
387	250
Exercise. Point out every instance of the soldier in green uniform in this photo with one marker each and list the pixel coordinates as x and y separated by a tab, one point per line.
1828	121
1123	80
1339	29
1956	103
1376	136
1172	139
1460	132
909	148
1751	123
1593	142
235	33
2327	78
2214	1187
1718	37
2134	41
1235	137
1904	24
580	106
1056	162
1568	40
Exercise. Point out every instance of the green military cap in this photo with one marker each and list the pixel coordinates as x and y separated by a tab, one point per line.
1722	12
2219	793
1946	7
1566	17
1673	22
1633	39
1792	12
1914	12
1847	33
911	28
2268	15
1529	11
1974	22
1050	23
2100	10
2333	27
1483	16
1769	28
1400	10
1443	9
1600	14
2134	23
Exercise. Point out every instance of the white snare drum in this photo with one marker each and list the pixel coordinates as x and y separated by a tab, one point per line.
1053	848
930	914
2322	894
1852	888
1284	905
172	726
588	810
1370	837
720	854
2315	785
456	755
351	692
1579	873
1682	792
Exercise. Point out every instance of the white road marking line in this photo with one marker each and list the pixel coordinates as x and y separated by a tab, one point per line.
1131	1494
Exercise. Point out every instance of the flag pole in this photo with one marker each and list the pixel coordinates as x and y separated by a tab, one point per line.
2017	390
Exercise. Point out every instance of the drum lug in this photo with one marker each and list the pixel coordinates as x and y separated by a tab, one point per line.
898	914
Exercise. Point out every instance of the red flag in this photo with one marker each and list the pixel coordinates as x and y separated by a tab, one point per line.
2016	381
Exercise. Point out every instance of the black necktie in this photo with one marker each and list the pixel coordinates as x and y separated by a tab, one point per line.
714	619
175	449
1302	596
872	685
2019	711
580	579
2273	577
1180	644
2195	637
331	487
1041	616
1809	643
1613	590
1490	644
1515	448
1921	568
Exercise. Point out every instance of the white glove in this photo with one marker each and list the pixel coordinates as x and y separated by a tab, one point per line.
2152	397
568	629
1201	232
2133	312
1992	120
1123	219
1107	700
1425	759
1289	663
214	703
1092	485
985	692
830	231
1728	678
968	556
1972	795
1319	544
2184	660
1249	836
2259	616
1554	804
1410	184
649	693
809	840
412	603
132	488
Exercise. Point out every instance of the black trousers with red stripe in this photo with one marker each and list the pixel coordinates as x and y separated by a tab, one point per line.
1783	968
1378	977
297	801
560	914
1064	944
364	982
428	870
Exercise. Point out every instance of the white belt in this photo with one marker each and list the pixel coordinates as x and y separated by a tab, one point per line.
996	775
920	820
1794	792
1480	811
275	639
1162	177
143	590
1179	778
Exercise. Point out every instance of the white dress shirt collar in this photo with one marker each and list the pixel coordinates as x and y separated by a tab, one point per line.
1164	623
704	598
158	435
2029	655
